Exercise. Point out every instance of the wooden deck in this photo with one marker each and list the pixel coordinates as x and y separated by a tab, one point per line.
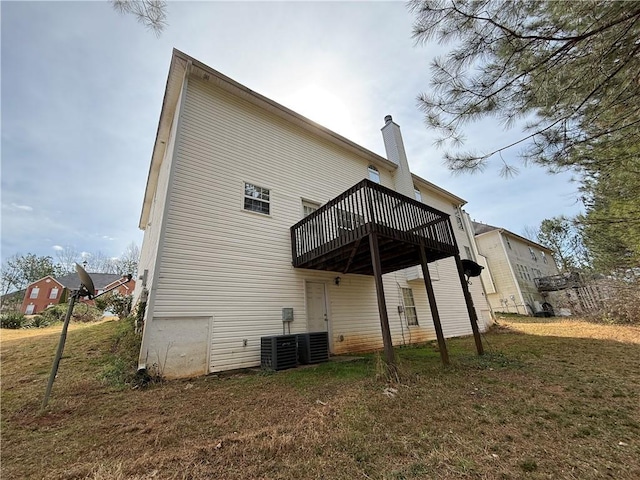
334	237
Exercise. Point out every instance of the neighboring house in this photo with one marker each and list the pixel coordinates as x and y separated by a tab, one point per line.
251	210
50	291
514	263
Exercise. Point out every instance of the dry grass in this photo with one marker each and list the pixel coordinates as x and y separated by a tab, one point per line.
542	403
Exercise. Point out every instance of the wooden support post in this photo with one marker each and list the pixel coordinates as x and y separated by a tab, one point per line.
382	304
442	345
470	308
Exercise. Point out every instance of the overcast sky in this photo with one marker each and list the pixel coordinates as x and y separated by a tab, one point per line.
82	88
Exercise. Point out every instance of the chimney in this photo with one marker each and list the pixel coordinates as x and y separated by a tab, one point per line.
395	153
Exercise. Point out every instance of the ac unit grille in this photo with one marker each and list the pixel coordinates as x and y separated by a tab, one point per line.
278	352
313	347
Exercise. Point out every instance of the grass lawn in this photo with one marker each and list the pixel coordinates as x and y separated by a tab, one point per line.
553	399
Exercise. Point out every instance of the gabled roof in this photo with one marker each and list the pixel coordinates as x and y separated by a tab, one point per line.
183	65
100	280
482	228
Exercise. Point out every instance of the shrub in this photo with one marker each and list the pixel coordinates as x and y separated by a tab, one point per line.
118	304
82	312
38	321
120	369
12	320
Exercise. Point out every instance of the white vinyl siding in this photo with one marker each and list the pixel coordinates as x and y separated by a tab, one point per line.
218	262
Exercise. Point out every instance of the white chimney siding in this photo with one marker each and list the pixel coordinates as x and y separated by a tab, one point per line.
395	152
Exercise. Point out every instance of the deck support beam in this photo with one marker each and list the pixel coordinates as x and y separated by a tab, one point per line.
442	344
473	318
382	304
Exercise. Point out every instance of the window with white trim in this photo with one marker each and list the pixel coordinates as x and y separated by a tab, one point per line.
35	291
30	309
54	293
533	254
410	312
257	199
508	242
467	252
417	194
544	256
308	208
374	174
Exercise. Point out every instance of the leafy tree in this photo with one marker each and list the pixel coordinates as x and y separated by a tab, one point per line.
562	235
151	13
18	271
569	68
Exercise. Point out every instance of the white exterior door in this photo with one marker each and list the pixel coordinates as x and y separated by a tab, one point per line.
317	320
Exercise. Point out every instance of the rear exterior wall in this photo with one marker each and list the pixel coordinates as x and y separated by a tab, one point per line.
222	274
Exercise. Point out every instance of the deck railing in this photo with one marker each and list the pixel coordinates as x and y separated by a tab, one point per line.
365	208
558	282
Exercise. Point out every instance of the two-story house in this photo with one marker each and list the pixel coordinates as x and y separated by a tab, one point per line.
49	291
258	221
514	262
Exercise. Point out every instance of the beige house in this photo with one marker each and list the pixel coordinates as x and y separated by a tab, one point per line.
513	262
254	215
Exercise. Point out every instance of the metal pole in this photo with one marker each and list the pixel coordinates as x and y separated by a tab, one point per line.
473	318
63	339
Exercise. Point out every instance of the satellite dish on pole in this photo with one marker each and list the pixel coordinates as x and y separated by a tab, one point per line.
86	283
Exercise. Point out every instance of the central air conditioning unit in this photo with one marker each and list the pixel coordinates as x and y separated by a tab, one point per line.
313	347
278	352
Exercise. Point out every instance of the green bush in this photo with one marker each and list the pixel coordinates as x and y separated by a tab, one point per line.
38	321
12	320
82	312
116	303
120	368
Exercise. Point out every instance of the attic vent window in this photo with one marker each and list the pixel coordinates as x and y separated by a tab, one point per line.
417	193
374	174
256	199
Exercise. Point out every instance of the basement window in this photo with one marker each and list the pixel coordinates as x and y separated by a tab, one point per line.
256	199
410	312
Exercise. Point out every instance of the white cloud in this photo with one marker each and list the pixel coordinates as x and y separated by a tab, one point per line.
58	248
25	208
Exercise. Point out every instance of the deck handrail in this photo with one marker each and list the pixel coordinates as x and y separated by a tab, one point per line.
365	208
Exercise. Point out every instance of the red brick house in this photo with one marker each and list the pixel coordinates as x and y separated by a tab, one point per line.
50	291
